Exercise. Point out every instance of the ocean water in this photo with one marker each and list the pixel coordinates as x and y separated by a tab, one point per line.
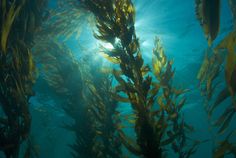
182	37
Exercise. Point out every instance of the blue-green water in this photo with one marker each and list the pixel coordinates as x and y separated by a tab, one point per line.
175	24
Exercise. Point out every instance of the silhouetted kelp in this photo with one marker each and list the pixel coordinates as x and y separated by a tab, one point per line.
32	150
103	106
222	57
232	4
156	103
17	75
208	14
65	21
86	96
208	75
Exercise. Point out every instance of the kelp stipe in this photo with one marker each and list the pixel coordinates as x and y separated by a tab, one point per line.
115	23
116	20
17	74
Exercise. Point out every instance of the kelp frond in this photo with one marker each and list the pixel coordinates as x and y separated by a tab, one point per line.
87	99
115	23
8	18
232	4
17	72
104	107
63	74
209	73
65	21
58	66
171	102
212	66
208	14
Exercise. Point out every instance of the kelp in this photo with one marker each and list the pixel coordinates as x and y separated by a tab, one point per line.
225	147
208	14
210	69
115	24
58	66
104	108
67	77
32	150
115	20
65	21
61	71
215	93
63	74
8	17
232	4
17	71
221	60
171	101
86	99
229	43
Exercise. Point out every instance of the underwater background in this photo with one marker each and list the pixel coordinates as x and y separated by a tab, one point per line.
78	106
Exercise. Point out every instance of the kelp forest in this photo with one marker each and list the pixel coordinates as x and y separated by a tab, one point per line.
117	79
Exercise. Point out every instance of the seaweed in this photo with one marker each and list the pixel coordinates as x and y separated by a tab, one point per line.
216	94
154	101
104	107
58	66
86	99
208	14
17	71
225	147
62	73
220	60
32	150
65	21
232	4
172	101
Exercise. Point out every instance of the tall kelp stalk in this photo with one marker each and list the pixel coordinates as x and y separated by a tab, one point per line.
63	75
104	107
221	60
153	124
19	21
171	100
91	109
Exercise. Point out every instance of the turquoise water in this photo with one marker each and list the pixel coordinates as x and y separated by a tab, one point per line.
175	24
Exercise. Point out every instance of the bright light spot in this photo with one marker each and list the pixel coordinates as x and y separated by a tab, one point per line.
107	46
117	41
138	23
146	44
